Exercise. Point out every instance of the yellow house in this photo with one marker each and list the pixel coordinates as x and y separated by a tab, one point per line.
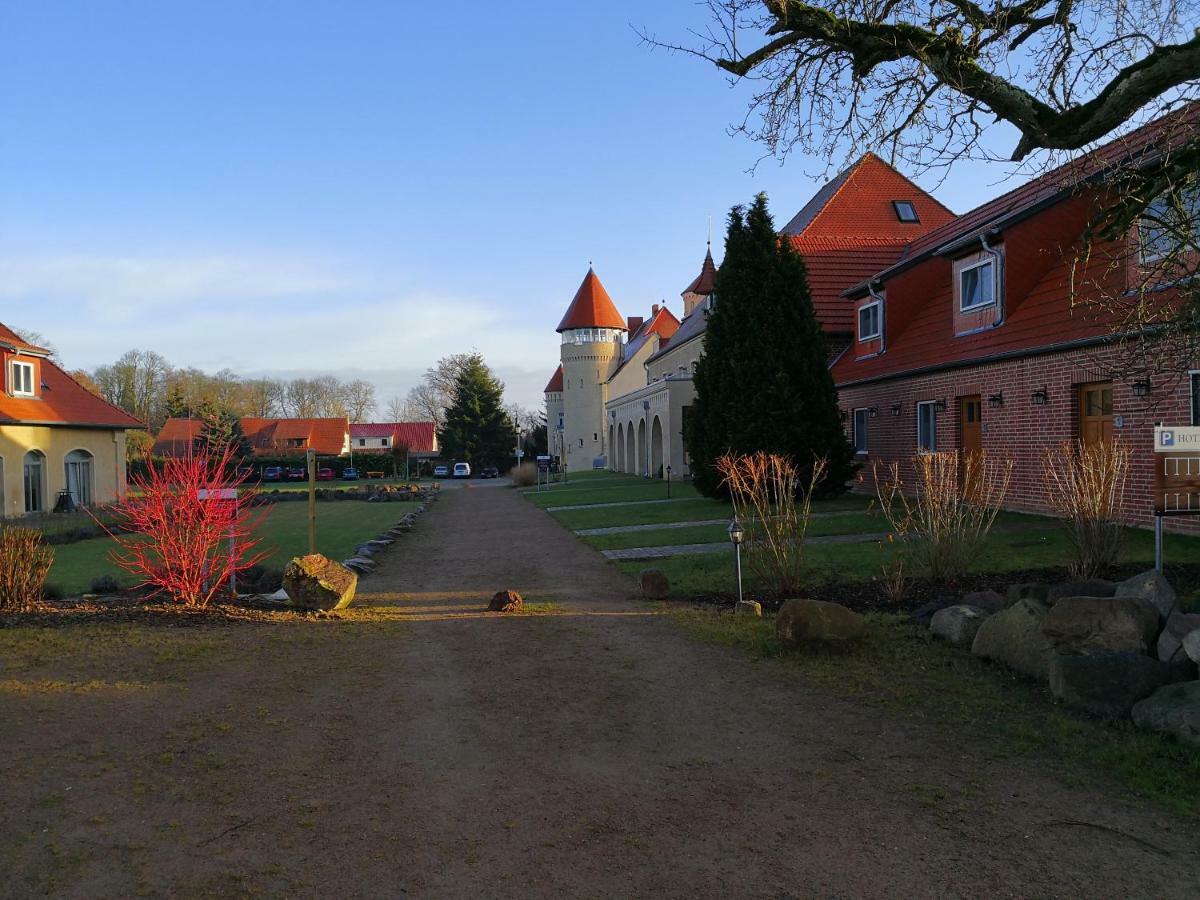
57	439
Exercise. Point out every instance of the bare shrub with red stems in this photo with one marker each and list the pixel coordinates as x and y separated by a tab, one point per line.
177	535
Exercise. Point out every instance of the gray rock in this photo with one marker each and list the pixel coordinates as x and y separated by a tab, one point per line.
1105	684
923	615
655	584
1177	627
1100	624
1090	587
1173	709
1014	637
1191	646
806	623
748	608
317	582
1029	591
360	564
991	601
958	624
1152	589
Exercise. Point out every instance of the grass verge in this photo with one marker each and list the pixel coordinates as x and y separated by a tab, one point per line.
897	667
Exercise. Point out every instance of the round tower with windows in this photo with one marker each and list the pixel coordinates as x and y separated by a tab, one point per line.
593	340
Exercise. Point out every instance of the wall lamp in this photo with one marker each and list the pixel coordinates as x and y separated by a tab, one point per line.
939	405
873	411
995	401
1040	397
895	409
1141	388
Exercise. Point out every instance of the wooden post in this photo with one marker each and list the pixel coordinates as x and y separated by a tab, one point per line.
312	500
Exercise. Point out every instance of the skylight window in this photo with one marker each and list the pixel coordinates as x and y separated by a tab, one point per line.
905	211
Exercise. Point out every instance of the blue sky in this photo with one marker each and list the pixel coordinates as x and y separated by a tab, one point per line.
360	188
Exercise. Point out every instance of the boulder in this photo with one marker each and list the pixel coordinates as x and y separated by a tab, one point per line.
807	623
655	584
1100	624
1028	591
1105	684
1089	587
1191	646
317	582
1151	589
923	615
991	601
958	624
1170	642
1014	637
1173	709
748	608
506	601
359	564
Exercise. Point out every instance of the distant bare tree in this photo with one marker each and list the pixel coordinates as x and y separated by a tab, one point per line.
38	340
427	401
397	410
359	398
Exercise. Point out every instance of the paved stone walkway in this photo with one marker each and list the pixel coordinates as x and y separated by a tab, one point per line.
724	546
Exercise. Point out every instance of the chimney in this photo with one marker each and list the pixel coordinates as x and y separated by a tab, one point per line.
654	310
633	323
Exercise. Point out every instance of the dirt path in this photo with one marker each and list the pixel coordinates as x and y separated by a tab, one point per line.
425	749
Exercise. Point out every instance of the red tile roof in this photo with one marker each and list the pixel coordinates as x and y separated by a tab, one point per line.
268	437
61	399
856	207
832	270
591	308
555	384
418	436
703	283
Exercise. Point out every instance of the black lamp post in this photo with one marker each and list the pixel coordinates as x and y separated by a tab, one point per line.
736	535
668	482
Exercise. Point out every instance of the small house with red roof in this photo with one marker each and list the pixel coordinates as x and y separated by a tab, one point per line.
268	437
59	442
419	438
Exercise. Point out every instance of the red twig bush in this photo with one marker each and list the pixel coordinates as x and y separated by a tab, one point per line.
773	504
24	564
175	534
1086	482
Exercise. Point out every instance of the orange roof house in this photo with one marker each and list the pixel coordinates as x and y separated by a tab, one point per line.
57	439
268	437
419	437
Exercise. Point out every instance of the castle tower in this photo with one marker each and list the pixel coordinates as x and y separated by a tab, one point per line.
593	338
701	287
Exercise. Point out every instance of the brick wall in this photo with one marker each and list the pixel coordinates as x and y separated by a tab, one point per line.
1019	429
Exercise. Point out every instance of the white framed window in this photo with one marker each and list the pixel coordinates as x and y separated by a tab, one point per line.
1194	378
860	430
870	321
977	285
383	442
1166	225
362	442
22	379
927	426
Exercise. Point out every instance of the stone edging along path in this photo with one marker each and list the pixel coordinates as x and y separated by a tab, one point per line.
362	562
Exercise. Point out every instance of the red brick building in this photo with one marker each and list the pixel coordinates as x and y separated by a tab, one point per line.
972	339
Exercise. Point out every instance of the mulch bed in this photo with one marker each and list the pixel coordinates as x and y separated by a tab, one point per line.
132	608
869	596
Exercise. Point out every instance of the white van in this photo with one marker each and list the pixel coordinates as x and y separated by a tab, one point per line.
462	470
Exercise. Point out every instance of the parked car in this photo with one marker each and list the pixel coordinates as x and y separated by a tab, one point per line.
296	474
489	472
349	474
462	470
273	473
325	474
440	471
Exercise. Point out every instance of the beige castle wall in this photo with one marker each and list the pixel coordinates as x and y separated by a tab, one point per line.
554	411
679	360
636	413
586	370
107	447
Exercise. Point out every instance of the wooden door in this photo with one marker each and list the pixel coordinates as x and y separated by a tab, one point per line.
1095	412
970	429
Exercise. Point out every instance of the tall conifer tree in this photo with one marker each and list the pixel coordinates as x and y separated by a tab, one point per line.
764	381
477	429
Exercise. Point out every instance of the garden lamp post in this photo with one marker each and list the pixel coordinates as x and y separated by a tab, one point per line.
736	534
668	482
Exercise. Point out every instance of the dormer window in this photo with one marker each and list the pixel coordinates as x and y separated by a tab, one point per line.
906	211
870	321
22	380
977	285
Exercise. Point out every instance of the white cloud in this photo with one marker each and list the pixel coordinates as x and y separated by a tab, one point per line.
269	315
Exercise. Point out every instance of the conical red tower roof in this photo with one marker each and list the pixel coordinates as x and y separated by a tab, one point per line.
703	283
591	308
555	384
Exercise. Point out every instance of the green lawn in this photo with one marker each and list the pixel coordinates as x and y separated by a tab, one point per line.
850	523
1040	547
638	489
897	667
652	514
341	527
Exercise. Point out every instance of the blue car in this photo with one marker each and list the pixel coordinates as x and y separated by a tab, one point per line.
350	474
